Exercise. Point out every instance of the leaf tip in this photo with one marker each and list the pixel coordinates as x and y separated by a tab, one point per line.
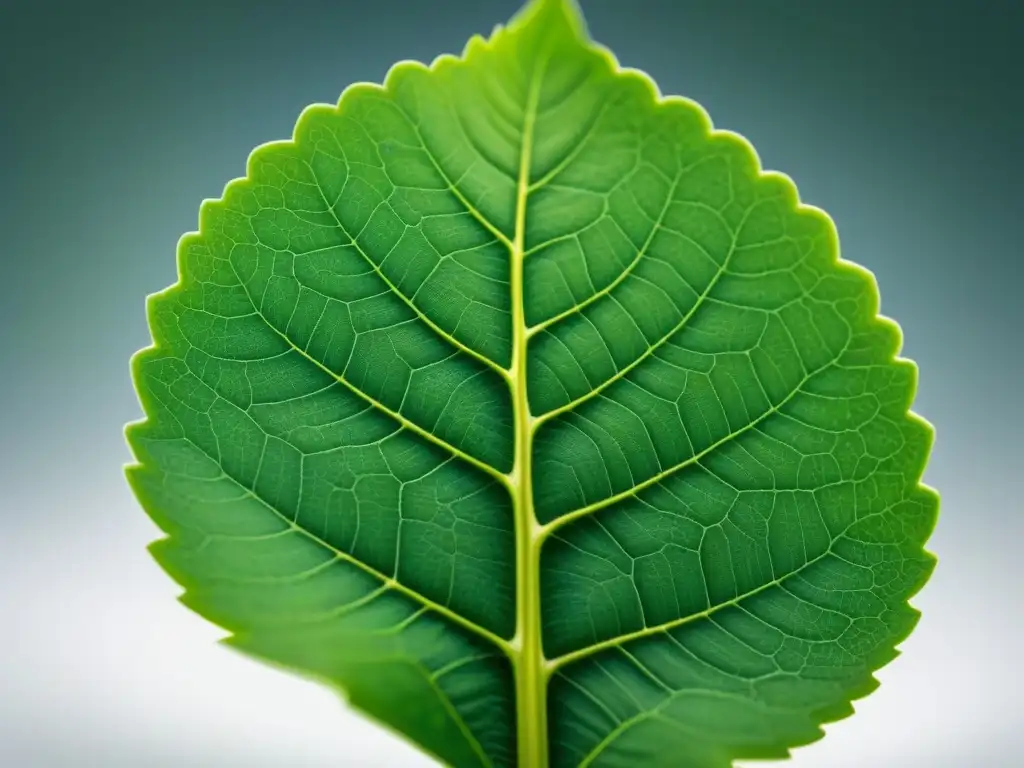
553	14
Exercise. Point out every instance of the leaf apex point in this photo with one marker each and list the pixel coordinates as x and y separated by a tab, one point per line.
568	11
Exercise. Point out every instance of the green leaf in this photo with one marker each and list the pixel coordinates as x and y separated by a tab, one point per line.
519	404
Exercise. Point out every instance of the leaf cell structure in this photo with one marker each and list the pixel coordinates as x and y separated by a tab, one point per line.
519	404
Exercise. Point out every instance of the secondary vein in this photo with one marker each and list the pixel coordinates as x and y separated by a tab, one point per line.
450	338
412	426
683	321
589	509
340	554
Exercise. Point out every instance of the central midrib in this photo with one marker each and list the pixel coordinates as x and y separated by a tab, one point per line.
526	646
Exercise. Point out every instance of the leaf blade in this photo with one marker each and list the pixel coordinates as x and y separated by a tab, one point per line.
437	336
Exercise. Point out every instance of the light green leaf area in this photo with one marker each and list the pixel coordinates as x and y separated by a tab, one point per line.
522	406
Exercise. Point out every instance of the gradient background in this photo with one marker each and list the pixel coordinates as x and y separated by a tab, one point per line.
903	120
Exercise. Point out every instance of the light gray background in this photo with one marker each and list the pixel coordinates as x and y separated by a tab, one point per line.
903	120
